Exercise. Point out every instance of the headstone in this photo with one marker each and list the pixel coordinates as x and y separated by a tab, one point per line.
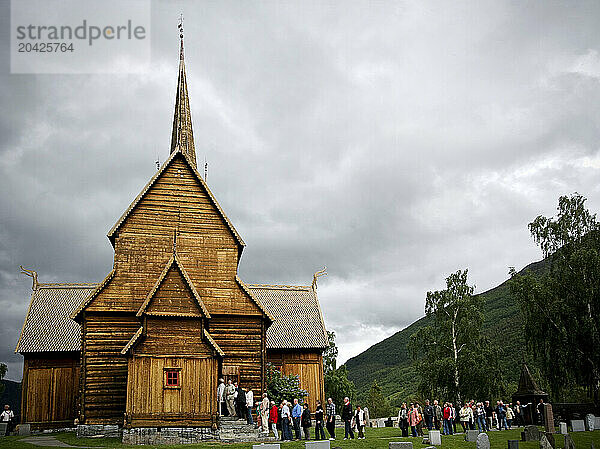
317	444
578	425
550	437
471	435
530	433
513	444
24	430
267	446
435	437
563	428
3	426
597	422
590	422
381	422
400	445
569	444
483	441
544	443
548	418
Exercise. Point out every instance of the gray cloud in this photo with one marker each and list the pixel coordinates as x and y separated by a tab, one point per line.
393	142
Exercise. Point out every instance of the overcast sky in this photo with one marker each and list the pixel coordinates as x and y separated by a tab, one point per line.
394	142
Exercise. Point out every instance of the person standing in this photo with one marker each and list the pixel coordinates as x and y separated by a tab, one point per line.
447	417
540	412
296	416
481	421
347	418
240	402
519	420
330	409
403	419
273	415
438	414
264	413
319	420
360	420
306	421
230	396
249	404
8	417
221	396
489	415
286	420
510	415
428	414
466	414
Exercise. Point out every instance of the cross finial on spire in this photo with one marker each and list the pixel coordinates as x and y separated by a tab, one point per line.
180	28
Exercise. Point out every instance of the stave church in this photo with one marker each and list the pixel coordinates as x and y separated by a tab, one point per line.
146	346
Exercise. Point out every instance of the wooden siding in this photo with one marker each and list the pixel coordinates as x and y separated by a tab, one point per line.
205	245
308	366
173	296
173	336
149	403
243	341
50	389
105	369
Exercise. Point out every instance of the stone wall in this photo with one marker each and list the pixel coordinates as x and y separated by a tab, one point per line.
169	435
95	430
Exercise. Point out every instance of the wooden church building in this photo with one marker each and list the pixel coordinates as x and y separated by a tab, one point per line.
145	347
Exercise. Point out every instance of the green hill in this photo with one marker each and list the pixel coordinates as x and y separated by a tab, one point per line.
388	362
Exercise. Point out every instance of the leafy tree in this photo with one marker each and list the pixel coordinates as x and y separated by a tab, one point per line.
379	407
3	370
446	352
337	385
330	354
280	387
561	308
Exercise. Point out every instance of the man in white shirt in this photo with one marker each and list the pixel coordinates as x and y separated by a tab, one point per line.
285	422
249	404
220	393
7	416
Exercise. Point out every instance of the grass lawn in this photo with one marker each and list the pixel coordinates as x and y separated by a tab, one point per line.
376	439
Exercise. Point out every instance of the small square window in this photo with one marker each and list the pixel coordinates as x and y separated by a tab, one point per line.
172	378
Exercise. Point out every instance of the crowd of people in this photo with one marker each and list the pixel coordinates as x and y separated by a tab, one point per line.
290	420
470	415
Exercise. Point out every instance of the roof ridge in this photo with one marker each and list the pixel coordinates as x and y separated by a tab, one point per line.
280	286
68	284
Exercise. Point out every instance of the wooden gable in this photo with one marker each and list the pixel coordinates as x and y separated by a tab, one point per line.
175	202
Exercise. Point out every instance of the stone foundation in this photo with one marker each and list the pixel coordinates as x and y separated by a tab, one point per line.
169	435
98	430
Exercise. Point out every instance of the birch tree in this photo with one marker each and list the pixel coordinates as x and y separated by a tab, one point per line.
440	349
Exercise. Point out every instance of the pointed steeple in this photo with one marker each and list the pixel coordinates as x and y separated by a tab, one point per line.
182	137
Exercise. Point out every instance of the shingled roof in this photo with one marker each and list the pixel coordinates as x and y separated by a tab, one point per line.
298	320
47	327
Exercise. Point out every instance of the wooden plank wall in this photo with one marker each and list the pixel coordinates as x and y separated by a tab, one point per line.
105	377
173	336
50	389
242	340
149	403
308	366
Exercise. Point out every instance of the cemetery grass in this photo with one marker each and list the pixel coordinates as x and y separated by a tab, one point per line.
376	439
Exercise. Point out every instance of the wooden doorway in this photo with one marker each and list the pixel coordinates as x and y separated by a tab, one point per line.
231	373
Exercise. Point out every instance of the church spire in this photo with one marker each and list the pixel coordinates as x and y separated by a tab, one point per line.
182	137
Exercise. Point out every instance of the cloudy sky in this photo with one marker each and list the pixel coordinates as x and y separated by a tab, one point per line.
394	142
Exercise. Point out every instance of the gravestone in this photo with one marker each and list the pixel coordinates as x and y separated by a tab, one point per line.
381	422
548	418
483	441
578	425
317	444
563	428
550	437
24	430
471	435
400	445
513	444
569	444
267	446
3	426
597	422
544	443
530	433
590	422
435	437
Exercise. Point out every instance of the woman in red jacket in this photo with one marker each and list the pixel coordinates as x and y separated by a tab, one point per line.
273	419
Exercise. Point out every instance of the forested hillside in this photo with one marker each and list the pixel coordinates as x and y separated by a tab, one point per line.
388	362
